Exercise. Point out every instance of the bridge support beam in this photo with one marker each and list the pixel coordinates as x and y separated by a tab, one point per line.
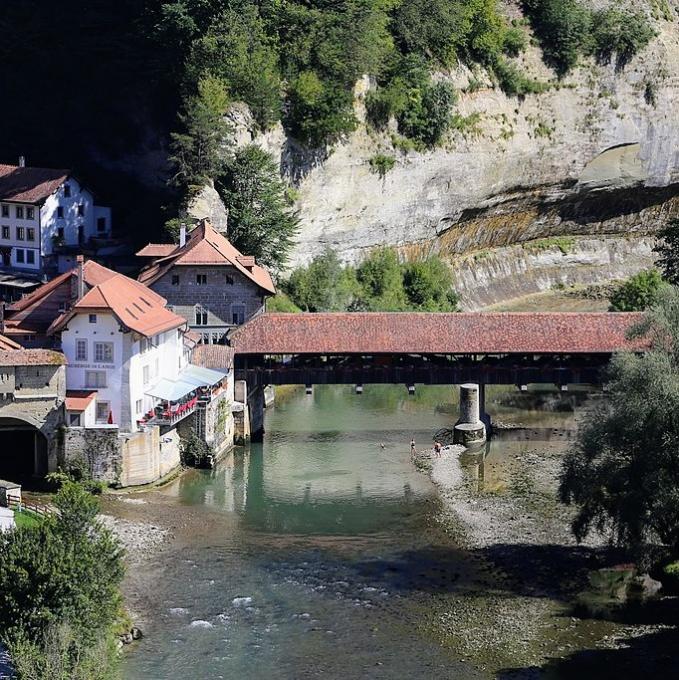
469	429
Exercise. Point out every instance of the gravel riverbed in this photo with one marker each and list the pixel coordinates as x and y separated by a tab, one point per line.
504	509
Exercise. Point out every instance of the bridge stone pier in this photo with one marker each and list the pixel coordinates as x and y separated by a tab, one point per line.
469	429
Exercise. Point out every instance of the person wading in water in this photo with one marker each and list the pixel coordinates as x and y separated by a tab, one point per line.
412	447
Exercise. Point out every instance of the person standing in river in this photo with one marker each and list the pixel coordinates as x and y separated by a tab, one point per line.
412	447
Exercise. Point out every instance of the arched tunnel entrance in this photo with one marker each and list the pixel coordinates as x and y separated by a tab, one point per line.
23	451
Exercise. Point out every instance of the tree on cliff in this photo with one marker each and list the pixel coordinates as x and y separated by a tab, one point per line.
60	591
668	250
622	473
196	151
261	221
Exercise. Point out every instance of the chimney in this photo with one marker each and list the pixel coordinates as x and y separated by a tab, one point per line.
182	235
80	263
22	161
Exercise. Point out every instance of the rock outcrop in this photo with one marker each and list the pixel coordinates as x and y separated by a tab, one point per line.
597	154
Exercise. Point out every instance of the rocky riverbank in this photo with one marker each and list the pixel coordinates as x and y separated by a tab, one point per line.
502	505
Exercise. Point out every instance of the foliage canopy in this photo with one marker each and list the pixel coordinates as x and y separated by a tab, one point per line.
622	473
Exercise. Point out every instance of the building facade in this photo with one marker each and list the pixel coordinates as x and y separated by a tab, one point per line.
208	282
46	216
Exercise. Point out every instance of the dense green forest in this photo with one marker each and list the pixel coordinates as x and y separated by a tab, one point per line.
89	84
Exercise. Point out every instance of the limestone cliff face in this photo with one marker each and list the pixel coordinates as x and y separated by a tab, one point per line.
597	154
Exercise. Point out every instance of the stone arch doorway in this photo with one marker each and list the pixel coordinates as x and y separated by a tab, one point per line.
23	451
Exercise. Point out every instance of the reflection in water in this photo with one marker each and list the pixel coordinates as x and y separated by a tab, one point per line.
313	553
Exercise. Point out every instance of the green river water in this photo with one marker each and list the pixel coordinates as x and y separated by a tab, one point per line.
318	553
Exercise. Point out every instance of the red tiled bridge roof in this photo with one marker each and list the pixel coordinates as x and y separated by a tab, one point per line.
429	333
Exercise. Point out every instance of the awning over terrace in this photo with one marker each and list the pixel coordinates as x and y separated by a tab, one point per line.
189	380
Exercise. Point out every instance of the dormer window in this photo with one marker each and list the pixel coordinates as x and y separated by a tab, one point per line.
67	190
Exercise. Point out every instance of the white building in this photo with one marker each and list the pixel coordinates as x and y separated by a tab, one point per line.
119	340
44	212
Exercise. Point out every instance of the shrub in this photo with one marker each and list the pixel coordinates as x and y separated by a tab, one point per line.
195	452
513	82
427	117
428	286
563	28
638	293
514	42
60	584
318	112
381	280
618	32
323	286
281	303
381	164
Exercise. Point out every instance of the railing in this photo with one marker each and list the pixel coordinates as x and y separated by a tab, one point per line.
171	416
36	508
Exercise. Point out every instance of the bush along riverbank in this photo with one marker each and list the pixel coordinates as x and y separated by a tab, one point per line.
61	614
545	600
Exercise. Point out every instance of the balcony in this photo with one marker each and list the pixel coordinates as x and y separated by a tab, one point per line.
169	414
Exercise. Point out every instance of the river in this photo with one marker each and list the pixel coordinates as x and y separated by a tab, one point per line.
324	552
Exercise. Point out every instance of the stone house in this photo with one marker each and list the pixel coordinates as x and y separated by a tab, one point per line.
46	217
207	281
32	394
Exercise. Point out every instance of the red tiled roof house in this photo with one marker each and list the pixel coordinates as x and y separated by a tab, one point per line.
43	210
207	281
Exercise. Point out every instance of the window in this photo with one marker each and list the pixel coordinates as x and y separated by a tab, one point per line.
81	210
21	234
101	224
60	232
95	378
5	232
103	409
146	374
60	211
30	213
175	279
238	314
215	338
229	279
201	279
144	345
67	190
20	212
74	419
156	372
20	255
93	318
138	406
30	257
81	350
30	234
201	316
103	352
5	211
